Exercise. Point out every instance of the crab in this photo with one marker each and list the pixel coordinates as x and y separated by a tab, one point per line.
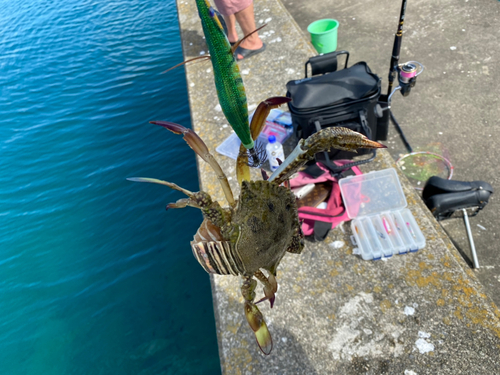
251	236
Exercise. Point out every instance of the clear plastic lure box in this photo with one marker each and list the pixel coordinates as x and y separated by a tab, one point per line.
382	225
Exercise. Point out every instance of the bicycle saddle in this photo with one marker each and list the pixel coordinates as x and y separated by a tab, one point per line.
437	185
444	197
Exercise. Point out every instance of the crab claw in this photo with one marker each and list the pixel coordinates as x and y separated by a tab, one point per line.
196	143
259	327
340	138
326	139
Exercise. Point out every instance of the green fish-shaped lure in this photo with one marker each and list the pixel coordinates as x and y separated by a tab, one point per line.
228	82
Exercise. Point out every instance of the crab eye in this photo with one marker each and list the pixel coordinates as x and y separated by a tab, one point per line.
211	12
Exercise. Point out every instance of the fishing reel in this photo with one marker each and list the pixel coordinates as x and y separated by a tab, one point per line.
407	77
407	74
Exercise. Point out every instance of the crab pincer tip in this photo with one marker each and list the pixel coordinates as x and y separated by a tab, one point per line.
173	127
277	100
380	145
271	301
265	176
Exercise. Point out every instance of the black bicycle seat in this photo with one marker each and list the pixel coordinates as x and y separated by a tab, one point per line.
444	197
437	185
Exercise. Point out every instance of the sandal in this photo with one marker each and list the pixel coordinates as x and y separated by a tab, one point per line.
246	53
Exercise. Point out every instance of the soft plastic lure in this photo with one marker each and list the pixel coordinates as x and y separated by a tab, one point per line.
228	82
387	227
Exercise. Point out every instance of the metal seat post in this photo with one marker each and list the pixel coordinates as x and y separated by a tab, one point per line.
471	239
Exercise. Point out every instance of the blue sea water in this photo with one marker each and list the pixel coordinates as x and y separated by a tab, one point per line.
95	276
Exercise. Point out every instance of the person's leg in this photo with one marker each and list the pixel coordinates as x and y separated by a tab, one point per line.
232	34
246	20
228	8
240	11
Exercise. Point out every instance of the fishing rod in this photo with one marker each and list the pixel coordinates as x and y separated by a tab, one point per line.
396	48
406	75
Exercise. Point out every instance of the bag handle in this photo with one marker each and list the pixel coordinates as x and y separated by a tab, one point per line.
326	63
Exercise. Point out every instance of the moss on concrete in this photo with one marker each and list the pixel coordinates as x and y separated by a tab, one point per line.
335	313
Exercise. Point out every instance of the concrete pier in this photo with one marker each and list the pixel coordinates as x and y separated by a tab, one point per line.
454	109
420	313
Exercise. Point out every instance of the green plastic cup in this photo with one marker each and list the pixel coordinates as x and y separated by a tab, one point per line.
324	35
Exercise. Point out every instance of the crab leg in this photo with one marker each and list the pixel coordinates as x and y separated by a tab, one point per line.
256	127
254	316
161	182
198	146
270	287
181	203
333	137
211	210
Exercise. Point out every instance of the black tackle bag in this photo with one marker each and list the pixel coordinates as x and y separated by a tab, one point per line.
330	97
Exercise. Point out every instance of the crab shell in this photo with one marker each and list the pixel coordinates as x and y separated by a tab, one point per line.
265	225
